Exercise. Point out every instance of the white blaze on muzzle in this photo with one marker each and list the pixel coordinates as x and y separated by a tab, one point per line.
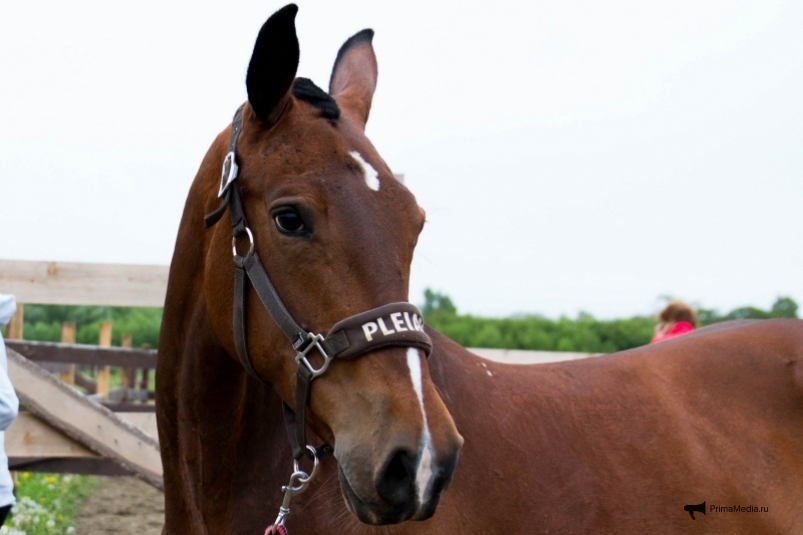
424	472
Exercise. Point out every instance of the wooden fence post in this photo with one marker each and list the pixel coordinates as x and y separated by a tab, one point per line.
68	337
127	375
14	327
143	385
104	340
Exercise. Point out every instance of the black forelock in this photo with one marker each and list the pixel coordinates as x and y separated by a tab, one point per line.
306	90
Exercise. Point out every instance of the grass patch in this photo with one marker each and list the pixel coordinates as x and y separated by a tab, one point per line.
46	503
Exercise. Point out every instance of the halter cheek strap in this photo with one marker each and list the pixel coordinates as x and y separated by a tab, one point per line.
393	324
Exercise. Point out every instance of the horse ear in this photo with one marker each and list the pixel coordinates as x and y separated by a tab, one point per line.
273	64
353	80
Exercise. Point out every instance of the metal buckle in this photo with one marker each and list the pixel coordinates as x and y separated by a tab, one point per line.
229	174
250	240
301	355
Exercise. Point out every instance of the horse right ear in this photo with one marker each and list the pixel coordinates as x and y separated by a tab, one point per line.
273	65
353	80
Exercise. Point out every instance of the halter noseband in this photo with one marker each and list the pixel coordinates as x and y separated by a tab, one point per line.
393	324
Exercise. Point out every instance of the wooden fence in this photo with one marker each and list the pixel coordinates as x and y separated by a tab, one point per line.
109	431
61	430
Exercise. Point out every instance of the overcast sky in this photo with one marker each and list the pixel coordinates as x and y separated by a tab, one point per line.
571	155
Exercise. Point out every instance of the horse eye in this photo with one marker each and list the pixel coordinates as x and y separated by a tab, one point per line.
289	221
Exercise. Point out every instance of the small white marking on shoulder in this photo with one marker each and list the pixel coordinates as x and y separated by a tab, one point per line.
371	176
489	373
424	472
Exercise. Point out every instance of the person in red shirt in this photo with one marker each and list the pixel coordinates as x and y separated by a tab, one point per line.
676	319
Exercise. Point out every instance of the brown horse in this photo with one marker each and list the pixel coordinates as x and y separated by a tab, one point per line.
617	444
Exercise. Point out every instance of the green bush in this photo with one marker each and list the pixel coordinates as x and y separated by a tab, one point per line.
43	323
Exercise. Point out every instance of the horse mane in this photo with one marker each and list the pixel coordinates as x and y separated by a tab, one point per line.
306	90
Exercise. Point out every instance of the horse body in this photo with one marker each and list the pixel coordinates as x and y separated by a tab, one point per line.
620	443
616	444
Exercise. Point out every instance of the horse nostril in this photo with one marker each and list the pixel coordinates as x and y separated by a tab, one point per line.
396	482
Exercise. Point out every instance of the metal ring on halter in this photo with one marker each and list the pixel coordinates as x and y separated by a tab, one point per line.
250	244
306	480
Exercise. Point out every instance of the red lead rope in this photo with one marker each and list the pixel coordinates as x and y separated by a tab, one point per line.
276	530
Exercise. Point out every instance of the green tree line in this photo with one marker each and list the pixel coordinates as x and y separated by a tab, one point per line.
43	323
583	333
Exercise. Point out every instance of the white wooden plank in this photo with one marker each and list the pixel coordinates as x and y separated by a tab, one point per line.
66	283
144	420
28	436
85	421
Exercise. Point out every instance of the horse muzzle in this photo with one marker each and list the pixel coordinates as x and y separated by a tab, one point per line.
407	486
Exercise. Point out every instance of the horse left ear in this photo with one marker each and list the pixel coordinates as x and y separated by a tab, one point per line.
273	65
353	80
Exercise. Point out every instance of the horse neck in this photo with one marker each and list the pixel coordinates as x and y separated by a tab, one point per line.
221	431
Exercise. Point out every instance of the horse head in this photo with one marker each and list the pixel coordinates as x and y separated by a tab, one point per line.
335	232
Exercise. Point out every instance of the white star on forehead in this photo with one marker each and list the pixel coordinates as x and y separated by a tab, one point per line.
371	175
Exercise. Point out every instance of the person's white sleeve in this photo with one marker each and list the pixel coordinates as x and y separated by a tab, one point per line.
8	306
9	403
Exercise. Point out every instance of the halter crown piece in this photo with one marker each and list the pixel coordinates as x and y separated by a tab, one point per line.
393	324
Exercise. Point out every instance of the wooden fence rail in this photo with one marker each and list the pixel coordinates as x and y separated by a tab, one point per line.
84	354
67	283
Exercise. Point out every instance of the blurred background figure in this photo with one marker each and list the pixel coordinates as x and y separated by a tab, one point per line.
9	405
676	319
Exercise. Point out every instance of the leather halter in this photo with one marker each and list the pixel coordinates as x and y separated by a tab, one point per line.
393	324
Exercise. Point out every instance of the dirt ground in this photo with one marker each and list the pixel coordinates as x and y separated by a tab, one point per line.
121	506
